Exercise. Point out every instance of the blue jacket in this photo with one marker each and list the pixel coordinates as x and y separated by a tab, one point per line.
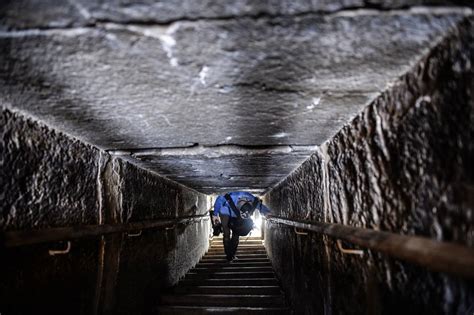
222	207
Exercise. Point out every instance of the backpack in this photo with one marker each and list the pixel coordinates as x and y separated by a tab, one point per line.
243	224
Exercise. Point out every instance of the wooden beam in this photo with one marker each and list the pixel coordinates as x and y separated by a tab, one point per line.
431	254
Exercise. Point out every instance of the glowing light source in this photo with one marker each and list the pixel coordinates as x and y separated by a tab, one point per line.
257	222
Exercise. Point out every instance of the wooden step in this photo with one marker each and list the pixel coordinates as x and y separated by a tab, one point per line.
243	250
232	268
235	263
234	300
246	246
216	286
255	242
240	260
230	282
196	310
242	255
249	289
251	238
231	275
238	253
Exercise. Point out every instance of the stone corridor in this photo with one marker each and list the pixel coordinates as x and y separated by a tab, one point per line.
122	120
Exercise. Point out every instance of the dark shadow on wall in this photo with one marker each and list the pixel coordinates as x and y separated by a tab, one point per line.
144	271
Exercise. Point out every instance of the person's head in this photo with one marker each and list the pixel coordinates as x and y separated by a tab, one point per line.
246	208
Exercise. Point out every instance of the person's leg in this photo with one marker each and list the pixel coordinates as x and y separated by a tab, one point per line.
234	243
226	240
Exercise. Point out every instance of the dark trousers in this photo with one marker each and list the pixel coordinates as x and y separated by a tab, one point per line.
230	241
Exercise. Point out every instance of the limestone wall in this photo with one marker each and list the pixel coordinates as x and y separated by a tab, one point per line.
50	180
403	165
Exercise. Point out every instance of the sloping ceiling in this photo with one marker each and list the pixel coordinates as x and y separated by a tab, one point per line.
215	100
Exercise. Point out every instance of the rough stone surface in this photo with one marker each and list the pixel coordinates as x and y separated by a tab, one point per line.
230	167
403	165
46	13
156	82
52	180
155	261
142	202
286	80
47	179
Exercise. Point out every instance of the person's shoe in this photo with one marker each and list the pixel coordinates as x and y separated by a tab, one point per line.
228	249
235	258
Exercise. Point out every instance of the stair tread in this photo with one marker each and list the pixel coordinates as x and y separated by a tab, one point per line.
225	290
245	250
244	286
234	263
189	310
215	286
236	300
243	254
240	257
223	308
253	296
222	253
240	245
241	238
223	276
249	244
259	262
232	268
236	273
220	282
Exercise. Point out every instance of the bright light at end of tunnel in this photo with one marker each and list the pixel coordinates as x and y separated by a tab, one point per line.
257	220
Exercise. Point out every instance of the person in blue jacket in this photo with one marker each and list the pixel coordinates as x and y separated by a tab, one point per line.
225	212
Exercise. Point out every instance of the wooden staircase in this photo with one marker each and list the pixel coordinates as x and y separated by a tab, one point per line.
215	286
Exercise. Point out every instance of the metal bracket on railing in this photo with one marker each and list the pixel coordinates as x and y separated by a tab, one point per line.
53	252
300	233
134	234
349	251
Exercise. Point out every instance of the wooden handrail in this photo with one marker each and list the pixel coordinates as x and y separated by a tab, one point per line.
431	254
29	237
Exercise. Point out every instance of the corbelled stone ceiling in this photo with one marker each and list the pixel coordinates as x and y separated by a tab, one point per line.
217	96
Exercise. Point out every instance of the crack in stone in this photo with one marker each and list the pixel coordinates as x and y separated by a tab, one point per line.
367	8
350	11
163	33
215	150
266	88
82	10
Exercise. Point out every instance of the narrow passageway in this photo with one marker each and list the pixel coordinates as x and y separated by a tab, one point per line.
122	120
214	286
